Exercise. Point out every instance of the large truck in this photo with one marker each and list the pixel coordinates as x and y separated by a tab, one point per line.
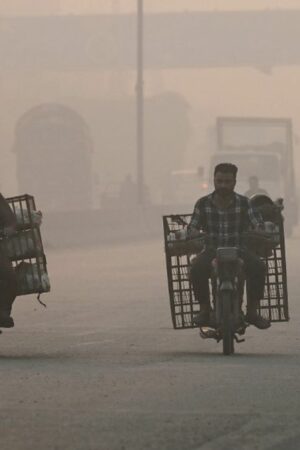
260	147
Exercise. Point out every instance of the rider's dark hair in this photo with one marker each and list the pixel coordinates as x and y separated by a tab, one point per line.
226	168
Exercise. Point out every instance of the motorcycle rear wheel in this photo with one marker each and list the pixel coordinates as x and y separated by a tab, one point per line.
227	328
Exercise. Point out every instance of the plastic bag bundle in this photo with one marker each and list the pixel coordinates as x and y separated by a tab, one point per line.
179	245
25	248
25	218
25	244
274	231
31	278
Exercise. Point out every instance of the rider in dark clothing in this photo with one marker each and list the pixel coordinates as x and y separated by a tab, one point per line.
8	284
224	215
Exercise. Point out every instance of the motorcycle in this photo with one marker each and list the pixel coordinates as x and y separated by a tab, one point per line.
227	321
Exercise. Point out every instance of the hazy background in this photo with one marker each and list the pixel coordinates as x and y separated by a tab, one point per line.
101	367
189	101
25	7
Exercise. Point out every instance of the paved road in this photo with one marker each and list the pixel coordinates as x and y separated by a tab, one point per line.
101	367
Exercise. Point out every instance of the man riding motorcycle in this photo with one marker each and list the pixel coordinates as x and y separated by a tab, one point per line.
8	283
224	215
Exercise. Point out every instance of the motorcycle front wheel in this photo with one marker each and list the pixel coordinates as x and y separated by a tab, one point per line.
227	323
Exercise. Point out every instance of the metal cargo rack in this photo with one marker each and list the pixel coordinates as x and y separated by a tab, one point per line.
273	306
25	248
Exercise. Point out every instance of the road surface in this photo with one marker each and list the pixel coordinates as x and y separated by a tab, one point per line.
102	368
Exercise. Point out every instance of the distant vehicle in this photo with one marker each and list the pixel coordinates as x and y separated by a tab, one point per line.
262	147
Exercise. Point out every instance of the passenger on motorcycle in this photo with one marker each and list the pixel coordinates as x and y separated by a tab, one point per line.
224	215
8	283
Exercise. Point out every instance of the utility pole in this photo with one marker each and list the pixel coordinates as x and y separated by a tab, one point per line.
140	104
117	78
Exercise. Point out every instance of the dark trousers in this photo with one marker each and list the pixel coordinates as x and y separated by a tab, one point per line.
8	284
254	269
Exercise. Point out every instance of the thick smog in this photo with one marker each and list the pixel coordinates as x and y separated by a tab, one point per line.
149	233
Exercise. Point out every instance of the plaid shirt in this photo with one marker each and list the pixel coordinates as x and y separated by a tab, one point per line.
224	226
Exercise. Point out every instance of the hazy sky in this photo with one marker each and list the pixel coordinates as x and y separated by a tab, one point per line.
165	5
210	92
30	7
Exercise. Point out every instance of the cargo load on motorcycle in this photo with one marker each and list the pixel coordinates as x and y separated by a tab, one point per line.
24	251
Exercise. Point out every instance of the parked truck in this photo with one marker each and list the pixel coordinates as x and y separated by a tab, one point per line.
261	147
